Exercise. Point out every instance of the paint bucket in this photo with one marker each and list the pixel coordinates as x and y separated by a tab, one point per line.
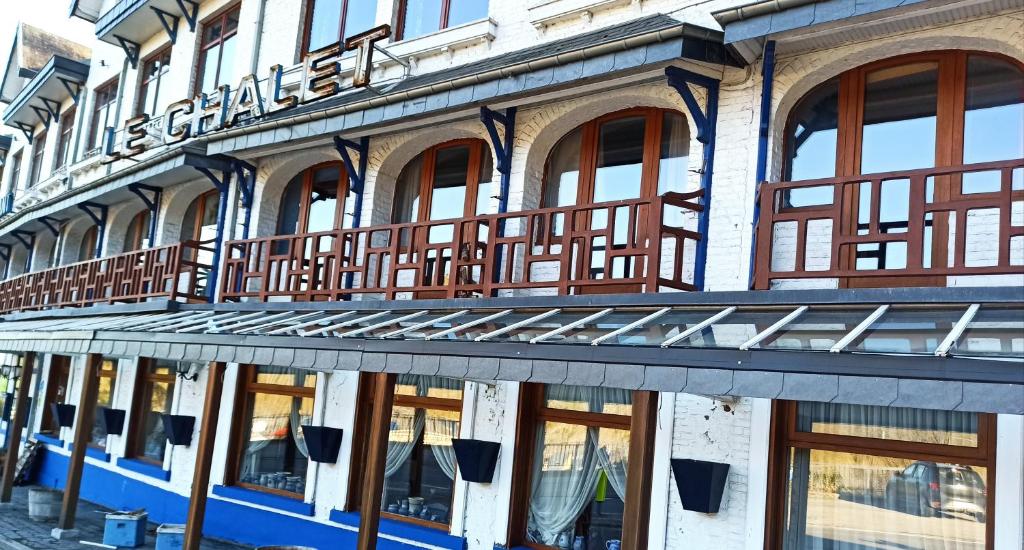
44	504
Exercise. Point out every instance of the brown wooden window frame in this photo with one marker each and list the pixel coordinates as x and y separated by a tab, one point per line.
144	381
35	174
202	47
90	236
246	391
65	134
15	171
60	369
102	373
200	202
307	192
477	148
138	231
145	79
104	102
640	424
785	436
446	8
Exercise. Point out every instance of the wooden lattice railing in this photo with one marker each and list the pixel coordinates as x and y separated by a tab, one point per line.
633	245
885	228
176	272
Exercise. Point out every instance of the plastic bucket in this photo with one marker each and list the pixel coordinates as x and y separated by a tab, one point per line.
44	504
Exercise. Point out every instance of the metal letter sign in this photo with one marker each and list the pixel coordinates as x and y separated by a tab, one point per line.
321	78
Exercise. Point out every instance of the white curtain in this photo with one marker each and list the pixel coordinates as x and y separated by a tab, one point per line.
440	432
614	468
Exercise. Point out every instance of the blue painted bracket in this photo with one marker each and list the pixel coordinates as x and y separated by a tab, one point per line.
152	203
42	114
705	120
169	22
52	107
53	224
190	11
502	147
28	240
26	130
767	84
98	213
356	175
223	185
73	87
245	173
131	50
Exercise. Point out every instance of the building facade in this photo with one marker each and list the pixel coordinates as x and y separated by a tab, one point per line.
272	257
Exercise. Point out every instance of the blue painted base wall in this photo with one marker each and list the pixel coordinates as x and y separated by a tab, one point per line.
224	520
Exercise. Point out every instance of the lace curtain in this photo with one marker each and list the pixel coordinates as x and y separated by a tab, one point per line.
294	419
436	427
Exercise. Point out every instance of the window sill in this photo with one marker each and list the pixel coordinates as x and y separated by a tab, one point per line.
481	31
260	498
49	440
542	13
144	468
93	452
427	535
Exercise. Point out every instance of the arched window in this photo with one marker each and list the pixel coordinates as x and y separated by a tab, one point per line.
137	236
447	181
200	222
87	248
632	154
927	110
315	200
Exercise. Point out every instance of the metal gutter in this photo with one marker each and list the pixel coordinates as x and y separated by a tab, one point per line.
756	9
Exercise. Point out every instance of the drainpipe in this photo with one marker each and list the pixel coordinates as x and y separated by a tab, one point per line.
254	62
767	80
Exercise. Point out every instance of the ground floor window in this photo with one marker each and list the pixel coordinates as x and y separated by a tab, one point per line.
575	466
56	391
855	476
419	470
107	374
154	397
270	452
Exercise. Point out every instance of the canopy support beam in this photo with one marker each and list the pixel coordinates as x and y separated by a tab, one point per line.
640	470
17	425
83	429
377	448
204	456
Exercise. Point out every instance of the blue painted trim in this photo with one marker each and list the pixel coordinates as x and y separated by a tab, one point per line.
223	185
401	529
49	440
144	468
295	506
767	83
93	452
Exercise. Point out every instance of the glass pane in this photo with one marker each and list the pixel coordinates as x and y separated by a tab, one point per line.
421	17
561	177
448	199
231	25
151	441
664	327
484	191
360	16
284	376
291	204
620	157
407	193
893	423
993	118
474	331
323	201
325	23
815	330
587	332
208	80
993	331
899	118
578	486
428	386
420	464
464	11
529	331
907	331
846	500
376	333
673	163
733	330
589	399
104	398
227	63
274	453
811	141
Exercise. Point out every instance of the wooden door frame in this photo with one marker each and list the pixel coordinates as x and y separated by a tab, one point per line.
428	172
305	202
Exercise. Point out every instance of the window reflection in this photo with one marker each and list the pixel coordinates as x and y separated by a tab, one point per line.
900	106
993	118
107	375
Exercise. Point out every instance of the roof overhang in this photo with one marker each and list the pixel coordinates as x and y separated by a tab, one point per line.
136	21
310	336
40	100
88	10
810	25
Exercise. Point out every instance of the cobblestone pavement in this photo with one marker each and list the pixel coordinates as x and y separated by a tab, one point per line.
18	532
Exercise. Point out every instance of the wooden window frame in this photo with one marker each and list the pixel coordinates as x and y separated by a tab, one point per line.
145	80
245	392
65	140
202	47
60	369
100	374
307	25
139	229
144	380
640	424
446	8
107	92
477	148
35	174
784	436
15	171
307	192
362	426
200	202
91	234
950	107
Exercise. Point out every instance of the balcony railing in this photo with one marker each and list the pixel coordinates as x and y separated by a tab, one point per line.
625	246
176	272
888	227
